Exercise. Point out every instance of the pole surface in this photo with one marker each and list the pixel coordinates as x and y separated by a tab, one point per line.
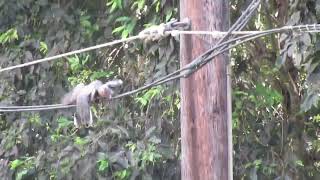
204	95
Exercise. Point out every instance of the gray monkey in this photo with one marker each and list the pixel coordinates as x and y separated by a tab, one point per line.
84	95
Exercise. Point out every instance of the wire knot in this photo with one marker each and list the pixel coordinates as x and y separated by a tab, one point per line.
163	30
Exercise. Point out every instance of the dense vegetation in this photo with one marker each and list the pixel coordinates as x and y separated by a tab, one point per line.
275	94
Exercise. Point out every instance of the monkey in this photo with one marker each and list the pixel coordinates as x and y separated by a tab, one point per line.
84	95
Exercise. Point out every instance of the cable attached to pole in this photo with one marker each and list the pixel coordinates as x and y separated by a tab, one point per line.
188	69
173	27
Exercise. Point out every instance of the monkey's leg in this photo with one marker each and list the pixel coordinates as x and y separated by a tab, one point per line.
76	121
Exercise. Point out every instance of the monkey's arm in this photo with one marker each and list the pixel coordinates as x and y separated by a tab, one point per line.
114	83
105	90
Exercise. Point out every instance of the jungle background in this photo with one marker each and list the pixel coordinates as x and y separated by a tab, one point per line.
276	121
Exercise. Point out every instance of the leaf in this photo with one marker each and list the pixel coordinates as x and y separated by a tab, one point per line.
154	140
64	122
299	163
119	3
169	15
118	29
101	74
131	26
15	164
113	7
158	6
123	19
132	146
150	131
8	36
123	131
142	101
103	164
123	174
125	33
141	4
43	47
21	174
80	141
311	100
86	59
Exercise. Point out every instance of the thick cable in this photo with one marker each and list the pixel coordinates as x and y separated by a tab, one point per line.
187	69
8	109
34	106
243	19
72	53
203	60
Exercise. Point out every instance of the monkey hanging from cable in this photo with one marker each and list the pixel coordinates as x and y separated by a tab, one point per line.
84	95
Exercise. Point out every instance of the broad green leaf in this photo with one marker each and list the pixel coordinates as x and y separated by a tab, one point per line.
103	164
15	164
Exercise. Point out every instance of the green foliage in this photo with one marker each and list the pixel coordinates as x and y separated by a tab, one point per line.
80	71
77	63
150	156
8	36
122	174
274	101
22	166
126	26
299	163
265	96
275	112
35	119
89	28
50	28
114	5
148	95
103	164
63	123
15	164
43	47
80	141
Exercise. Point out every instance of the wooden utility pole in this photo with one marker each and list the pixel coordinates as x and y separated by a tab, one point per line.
204	96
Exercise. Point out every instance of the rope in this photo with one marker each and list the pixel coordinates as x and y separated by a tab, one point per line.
185	71
222	46
153	33
34	108
73	53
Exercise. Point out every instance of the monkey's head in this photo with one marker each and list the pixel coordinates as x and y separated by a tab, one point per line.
105	91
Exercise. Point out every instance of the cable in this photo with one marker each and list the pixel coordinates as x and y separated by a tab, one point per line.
34	106
188	69
73	53
205	58
142	35
243	19
31	108
191	67
239	23
153	32
215	34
